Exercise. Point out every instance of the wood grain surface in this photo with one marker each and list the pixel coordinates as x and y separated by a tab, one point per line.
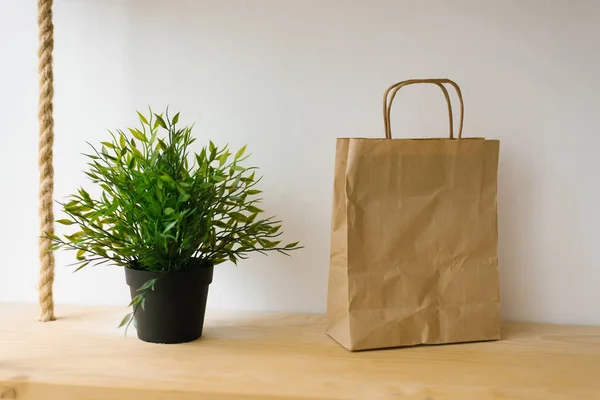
83	356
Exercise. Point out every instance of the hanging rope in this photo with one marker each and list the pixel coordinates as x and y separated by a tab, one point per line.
46	140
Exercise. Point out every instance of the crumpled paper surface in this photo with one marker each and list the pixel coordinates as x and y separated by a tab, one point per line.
414	255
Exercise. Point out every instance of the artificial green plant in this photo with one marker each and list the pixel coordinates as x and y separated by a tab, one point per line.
162	208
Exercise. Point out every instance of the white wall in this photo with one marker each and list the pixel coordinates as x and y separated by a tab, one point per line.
288	77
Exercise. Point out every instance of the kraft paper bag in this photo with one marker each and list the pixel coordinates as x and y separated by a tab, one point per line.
414	236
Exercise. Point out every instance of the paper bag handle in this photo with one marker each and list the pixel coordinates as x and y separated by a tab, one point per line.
387	105
393	90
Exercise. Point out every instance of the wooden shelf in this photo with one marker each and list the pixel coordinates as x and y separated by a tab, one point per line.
82	356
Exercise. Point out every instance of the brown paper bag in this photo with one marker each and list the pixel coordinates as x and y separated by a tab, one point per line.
414	236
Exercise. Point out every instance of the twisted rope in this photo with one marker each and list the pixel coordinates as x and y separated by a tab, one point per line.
46	140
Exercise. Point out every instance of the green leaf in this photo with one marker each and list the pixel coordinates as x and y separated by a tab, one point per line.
254	209
92	175
52	236
138	153
76	236
175	119
291	245
72	203
148	285
161	145
138	135
108	145
184	197
160	121
169	211
81	266
65	222
86	196
202	156
166	178
126	320
181	190
142	118
88	231
170	226
80	254
236	216
240	152
101	252
219	224
223	159
135	300
253	192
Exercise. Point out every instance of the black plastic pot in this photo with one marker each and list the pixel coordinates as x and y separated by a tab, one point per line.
174	311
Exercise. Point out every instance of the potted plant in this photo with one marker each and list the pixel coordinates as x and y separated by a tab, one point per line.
168	217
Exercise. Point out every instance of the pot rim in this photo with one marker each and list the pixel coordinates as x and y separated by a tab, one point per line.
137	277
205	265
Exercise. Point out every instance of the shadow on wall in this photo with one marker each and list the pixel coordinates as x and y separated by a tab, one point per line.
517	237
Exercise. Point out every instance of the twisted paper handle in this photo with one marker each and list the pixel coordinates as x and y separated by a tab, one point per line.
390	94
